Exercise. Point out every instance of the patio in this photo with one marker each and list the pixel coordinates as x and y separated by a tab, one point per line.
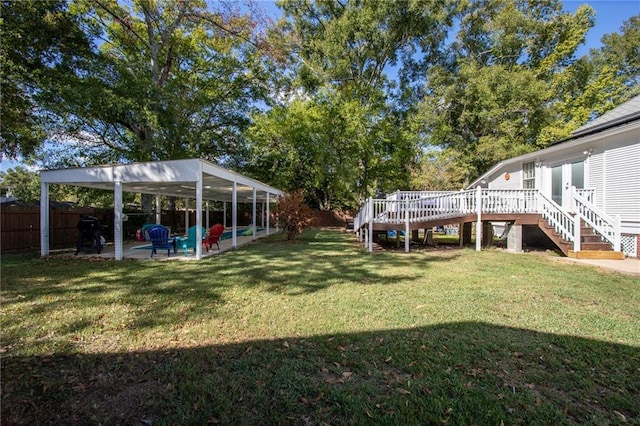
141	250
192	179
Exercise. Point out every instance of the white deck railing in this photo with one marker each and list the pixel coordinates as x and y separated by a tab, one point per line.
604	225
562	222
406	207
588	193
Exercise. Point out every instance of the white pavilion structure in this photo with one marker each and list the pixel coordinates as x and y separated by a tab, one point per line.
189	179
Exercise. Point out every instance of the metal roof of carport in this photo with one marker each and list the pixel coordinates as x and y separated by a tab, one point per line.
172	178
191	178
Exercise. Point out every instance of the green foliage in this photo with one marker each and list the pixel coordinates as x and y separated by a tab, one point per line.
168	80
40	45
599	81
24	184
21	183
491	99
306	102
293	214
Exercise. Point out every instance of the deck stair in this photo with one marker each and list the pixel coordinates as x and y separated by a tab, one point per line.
564	245
591	244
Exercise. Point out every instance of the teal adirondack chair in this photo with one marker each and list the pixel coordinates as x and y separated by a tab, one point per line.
191	237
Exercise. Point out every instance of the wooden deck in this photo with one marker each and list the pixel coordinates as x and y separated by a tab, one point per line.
583	229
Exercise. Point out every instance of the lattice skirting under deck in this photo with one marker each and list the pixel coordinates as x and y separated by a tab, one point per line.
629	245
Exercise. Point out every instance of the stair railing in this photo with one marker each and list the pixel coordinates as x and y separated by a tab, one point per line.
607	227
563	223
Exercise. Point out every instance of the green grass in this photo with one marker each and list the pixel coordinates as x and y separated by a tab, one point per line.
317	331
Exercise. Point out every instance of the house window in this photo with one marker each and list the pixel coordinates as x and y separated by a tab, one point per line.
529	175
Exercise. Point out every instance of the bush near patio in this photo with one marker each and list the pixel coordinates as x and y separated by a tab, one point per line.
294	215
316	331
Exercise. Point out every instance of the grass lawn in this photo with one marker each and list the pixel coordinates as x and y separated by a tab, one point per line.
317	331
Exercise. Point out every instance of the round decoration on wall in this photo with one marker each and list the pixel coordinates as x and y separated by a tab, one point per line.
507	176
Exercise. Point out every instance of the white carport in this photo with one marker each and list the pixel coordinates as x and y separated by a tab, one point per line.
193	178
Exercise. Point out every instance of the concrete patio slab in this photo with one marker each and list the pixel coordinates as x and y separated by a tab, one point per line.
140	250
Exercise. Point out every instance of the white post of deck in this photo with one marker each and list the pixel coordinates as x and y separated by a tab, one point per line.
576	233
198	242
44	219
158	211
617	233
479	218
268	213
370	230
253	214
234	214
117	219
224	214
406	225
186	215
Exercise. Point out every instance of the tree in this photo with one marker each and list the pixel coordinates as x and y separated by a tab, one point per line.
495	91
599	81
172	80
41	42
340	136
21	183
24	184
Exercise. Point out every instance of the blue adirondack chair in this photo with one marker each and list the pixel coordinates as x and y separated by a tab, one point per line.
159	236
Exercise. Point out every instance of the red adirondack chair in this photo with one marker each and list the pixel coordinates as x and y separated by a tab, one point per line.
214	236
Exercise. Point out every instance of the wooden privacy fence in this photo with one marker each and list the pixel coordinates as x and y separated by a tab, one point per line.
20	227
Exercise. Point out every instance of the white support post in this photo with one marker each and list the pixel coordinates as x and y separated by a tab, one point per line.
234	215
207	215
406	226
44	219
277	216
117	219
262	219
253	215
479	218
370	230
224	214
198	247
617	233
576	232
268	213
186	215
365	238
158	211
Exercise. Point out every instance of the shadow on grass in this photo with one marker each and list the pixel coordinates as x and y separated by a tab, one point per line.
161	293
457	373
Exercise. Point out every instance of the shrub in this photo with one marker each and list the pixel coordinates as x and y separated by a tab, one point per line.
293	214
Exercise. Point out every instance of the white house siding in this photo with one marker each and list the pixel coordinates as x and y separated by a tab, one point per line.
500	182
622	175
596	177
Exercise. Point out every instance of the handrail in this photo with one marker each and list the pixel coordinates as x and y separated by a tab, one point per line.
509	201
562	222
607	227
588	193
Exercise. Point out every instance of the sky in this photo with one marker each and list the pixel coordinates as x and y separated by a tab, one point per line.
609	18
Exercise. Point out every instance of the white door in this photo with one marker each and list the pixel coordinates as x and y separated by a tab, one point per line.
563	177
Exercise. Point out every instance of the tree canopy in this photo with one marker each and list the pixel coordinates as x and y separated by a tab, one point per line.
342	99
